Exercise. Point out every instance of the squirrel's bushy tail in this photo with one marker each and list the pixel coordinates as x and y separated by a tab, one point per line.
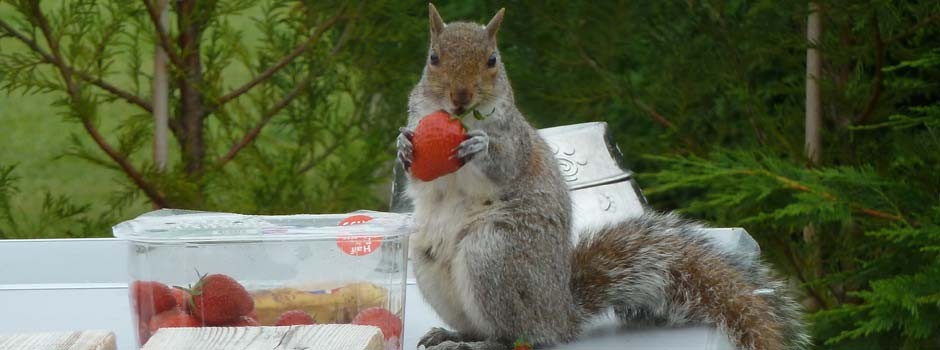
659	269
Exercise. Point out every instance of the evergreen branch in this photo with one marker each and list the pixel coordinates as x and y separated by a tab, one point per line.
326	153
796	185
74	94
798	268
125	95
918	26
50	41
605	73
267	73
656	116
878	87
162	36
125	165
48	58
29	42
268	115
661	120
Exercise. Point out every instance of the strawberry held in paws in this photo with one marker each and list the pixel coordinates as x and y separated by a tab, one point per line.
435	143
219	299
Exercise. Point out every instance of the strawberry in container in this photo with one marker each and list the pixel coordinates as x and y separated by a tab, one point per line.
204	269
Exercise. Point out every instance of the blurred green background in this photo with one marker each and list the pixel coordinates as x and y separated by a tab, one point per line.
706	98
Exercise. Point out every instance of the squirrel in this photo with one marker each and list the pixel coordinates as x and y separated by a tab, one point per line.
492	251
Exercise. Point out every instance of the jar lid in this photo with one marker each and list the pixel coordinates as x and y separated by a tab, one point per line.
182	226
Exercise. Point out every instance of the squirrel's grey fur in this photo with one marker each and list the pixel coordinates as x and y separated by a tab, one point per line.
492	251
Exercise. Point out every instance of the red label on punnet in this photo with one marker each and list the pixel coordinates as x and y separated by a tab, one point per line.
358	245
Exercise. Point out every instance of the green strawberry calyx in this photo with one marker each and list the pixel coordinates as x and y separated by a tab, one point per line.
472	112
522	344
194	290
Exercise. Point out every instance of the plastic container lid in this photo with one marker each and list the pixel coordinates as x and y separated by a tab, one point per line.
181	226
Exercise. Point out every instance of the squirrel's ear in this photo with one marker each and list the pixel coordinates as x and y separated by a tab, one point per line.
437	24
493	26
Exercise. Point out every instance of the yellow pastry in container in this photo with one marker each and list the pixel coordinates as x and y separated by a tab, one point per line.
337	305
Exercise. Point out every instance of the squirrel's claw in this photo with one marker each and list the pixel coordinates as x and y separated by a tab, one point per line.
405	148
477	142
407	133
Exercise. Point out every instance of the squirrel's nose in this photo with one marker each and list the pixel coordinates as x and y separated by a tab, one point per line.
460	97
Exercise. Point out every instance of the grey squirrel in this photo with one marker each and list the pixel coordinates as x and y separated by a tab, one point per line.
492	250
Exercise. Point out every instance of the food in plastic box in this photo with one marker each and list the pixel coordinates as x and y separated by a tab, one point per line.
194	268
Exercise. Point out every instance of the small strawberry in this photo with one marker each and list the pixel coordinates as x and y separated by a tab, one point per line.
143	332
294	318
244	321
382	318
393	343
435	143
151	298
182	298
173	318
219	299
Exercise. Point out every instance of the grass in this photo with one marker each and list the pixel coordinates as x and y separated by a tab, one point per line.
34	138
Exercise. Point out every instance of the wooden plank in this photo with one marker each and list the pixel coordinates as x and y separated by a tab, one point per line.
321	337
78	340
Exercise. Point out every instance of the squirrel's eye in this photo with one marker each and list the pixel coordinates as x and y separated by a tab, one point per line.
492	61
434	59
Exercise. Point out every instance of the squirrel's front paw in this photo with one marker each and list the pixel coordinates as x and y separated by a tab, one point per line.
476	143
406	153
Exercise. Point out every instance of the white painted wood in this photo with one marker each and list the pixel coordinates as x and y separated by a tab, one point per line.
82	284
79	340
321	337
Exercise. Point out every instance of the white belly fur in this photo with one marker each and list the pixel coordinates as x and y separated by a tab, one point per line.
442	208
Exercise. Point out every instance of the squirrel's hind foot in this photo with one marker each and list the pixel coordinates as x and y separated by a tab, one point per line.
478	345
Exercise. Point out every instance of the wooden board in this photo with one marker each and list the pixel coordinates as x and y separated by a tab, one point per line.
320	337
79	340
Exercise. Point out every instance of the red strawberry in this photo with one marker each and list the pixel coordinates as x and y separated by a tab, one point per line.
244	321
435	140
382	318
151	298
219	299
182	298
143	332
172	318
294	318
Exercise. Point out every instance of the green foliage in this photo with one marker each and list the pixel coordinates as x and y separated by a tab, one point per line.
706	98
57	217
869	263
315	136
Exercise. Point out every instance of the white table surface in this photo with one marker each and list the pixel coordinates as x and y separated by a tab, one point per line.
78	284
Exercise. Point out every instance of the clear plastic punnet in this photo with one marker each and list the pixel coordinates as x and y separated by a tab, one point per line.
335	268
